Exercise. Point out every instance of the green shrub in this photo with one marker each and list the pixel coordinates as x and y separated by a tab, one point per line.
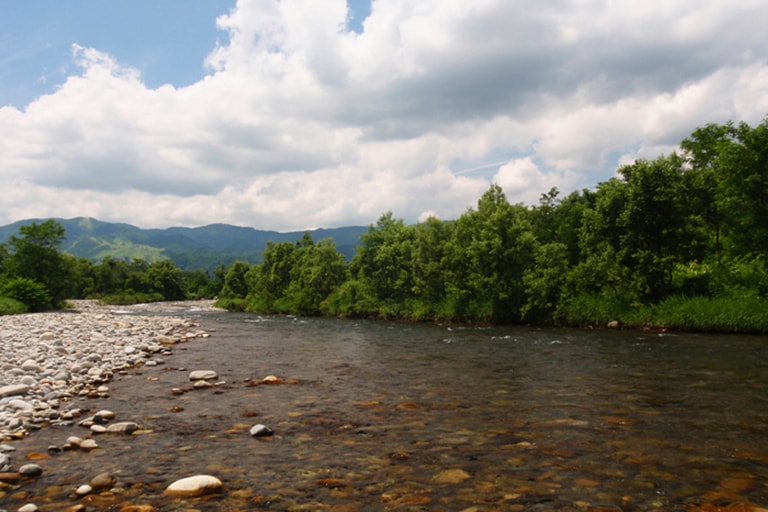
9	306
742	313
593	309
232	304
29	292
130	297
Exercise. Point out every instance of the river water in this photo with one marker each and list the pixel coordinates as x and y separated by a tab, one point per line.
391	416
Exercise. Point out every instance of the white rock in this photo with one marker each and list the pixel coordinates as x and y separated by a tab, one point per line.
30	366
88	445
261	431
192	486
203	375
104	416
84	490
29	507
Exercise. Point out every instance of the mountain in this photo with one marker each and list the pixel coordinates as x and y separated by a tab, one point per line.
189	248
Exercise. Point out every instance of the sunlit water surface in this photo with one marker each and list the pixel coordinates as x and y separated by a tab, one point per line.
390	416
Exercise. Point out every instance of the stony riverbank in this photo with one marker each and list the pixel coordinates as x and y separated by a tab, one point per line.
49	360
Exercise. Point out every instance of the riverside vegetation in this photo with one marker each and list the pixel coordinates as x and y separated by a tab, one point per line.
676	242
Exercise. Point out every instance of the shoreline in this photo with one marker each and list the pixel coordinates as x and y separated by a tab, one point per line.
49	360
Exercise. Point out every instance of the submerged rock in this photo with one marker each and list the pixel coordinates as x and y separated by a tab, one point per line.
451	476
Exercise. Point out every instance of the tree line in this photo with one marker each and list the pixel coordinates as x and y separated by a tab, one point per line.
35	275
676	241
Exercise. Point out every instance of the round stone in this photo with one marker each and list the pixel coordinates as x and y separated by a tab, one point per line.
84	490
30	470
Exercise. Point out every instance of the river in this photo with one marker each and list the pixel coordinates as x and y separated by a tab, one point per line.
393	416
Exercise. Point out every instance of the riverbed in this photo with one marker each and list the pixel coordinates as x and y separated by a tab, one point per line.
391	416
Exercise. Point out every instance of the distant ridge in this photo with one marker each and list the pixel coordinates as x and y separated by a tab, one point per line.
203	247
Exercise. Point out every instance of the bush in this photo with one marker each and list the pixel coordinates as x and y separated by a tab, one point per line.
230	304
130	297
9	306
594	310
745	313
29	292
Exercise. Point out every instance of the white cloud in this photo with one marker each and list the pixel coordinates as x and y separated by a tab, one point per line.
303	124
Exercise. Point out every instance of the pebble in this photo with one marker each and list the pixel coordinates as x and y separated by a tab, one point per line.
51	359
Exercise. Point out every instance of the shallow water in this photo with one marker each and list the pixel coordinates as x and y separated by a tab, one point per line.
389	416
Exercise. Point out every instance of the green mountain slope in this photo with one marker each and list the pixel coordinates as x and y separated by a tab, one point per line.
189	248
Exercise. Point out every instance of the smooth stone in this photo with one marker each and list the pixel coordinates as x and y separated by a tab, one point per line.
202	375
84	490
28	380
21	405
74	441
123	427
29	507
98	429
104	416
13	390
103	481
30	366
5	462
261	431
30	470
88	444
193	486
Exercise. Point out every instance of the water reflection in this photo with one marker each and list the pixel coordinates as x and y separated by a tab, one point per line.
388	416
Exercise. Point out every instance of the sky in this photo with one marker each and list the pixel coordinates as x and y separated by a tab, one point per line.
297	114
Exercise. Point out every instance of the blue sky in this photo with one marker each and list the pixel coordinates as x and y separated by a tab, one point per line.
167	41
296	114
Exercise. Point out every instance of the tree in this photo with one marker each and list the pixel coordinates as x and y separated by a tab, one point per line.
165	278
235	285
319	269
35	255
492	247
654	224
384	259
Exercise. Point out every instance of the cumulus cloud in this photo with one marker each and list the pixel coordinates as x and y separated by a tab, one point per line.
302	123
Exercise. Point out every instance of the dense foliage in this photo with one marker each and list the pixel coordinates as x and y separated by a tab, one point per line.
35	275
679	241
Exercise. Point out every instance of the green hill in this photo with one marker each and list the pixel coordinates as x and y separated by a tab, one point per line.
189	248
